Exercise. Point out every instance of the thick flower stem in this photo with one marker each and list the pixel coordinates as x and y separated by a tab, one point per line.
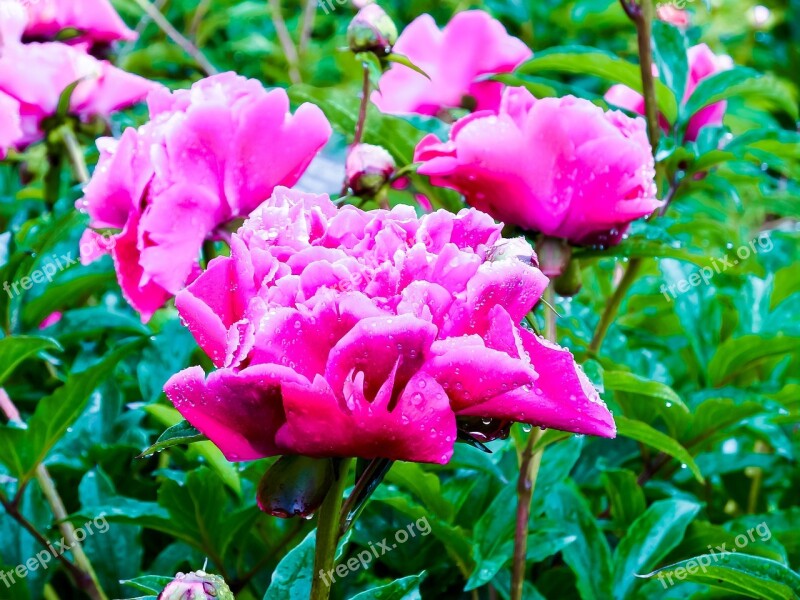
642	15
328	533
529	471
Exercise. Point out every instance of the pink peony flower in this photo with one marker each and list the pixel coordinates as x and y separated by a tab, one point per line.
702	64
455	58
559	166
339	332
34	76
209	155
96	20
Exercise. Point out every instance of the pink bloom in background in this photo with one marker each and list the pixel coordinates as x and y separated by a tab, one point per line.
34	76
339	332
51	319
563	167
209	155
702	64
96	20
471	45
673	15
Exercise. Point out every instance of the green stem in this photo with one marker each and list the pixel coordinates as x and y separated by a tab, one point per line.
82	569
529	471
612	307
328	533
75	153
642	16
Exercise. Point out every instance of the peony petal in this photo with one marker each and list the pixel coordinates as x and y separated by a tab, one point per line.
240	411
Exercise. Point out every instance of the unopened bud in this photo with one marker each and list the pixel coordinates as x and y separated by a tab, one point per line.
569	283
368	169
372	30
196	586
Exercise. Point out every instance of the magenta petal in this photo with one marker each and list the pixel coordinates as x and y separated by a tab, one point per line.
472	374
378	345
240	411
420	427
564	397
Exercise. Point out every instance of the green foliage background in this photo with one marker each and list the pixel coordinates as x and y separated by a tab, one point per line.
705	386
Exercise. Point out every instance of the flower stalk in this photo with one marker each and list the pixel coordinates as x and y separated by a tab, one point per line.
328	532
553	256
642	15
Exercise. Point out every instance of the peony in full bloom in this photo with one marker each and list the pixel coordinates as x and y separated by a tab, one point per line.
33	77
702	64
95	20
340	332
209	155
560	166
471	45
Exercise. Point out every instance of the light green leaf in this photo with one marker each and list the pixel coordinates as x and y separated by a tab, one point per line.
591	61
642	432
648	540
742	574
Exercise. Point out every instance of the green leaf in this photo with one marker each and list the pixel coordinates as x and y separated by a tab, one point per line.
634	384
599	63
341	107
397	590
739	81
182	433
588	556
14	350
736	356
148	583
406	62
648	540
199	509
625	496
742	574
669	53
425	486
642	432
55	414
170	417
294	575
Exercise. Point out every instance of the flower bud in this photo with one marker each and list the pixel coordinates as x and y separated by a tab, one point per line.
372	30
368	169
196	586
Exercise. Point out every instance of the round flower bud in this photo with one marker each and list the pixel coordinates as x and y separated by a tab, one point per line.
372	30
196	586
368	169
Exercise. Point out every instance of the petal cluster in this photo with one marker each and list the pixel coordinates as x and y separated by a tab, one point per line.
560	166
95	20
209	155
33	77
703	63
455	58
339	332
